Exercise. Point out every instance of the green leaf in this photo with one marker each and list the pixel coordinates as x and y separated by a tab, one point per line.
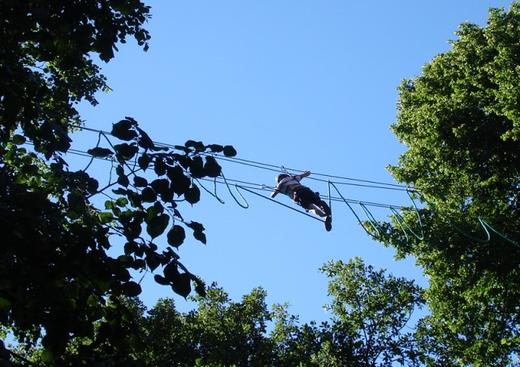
180	182
18	139
106	217
92	185
176	236
171	272
196	226
199	235
144	140
197	167
135	198
4	305
211	167
159	166
161	280
123	130
126	151
200	287
229	151
216	148
131	289
120	191
161	186
157	225
182	285
130	248
153	260
192	195
122	202
197	145
144	161
140	181
100	152
148	195
123	180
183	160
154	211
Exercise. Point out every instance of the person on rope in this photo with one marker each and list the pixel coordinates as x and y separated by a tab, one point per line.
303	196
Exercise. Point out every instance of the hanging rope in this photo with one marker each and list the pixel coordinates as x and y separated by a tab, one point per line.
503	236
246	205
421	237
405	227
214	193
331	184
471	237
371	219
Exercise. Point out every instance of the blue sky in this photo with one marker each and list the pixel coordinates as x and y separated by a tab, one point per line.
301	84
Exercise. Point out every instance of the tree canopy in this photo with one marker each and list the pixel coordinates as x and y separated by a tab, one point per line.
460	122
368	314
57	276
67	291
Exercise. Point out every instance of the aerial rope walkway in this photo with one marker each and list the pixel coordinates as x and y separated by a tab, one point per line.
237	189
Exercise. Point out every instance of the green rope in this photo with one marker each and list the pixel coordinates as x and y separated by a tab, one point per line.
401	223
485	225
354	212
373	222
214	193
405	227
470	236
501	235
246	205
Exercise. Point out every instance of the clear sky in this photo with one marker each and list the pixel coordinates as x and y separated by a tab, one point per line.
302	84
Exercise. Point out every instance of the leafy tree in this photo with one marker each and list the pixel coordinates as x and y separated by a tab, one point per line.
57	279
295	344
370	311
218	333
460	121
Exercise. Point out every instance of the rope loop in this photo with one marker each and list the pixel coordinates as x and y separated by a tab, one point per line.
246	205
214	193
331	184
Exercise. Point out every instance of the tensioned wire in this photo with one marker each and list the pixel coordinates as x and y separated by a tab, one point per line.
256	186
262	187
280	168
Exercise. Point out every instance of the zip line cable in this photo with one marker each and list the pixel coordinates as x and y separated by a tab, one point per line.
251	187
255	186
265	166
272	167
278	168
